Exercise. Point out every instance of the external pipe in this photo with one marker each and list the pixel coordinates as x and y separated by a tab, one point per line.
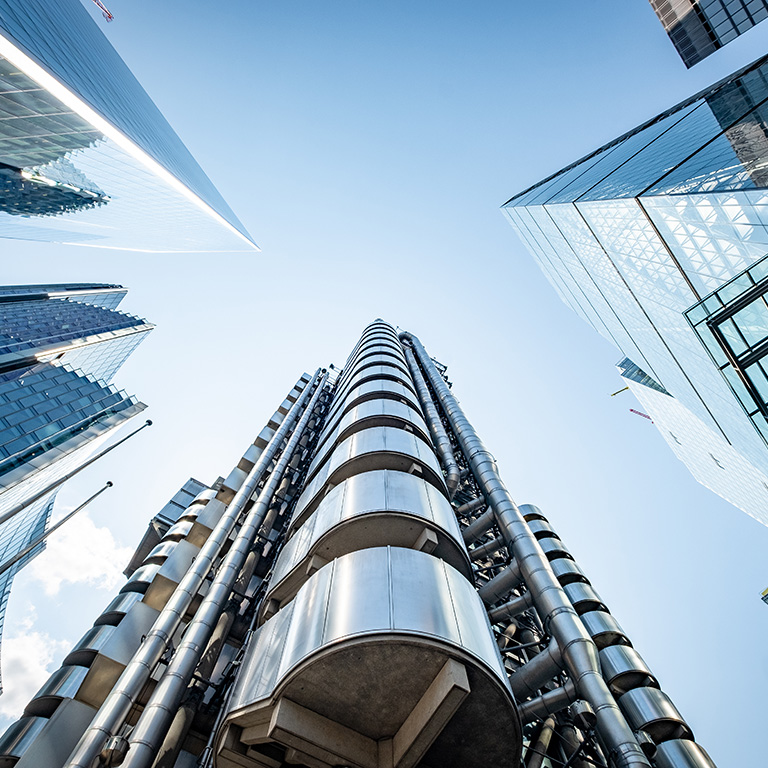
539	670
40	539
193	698
491	548
513	608
21	506
436	428
470	506
539	751
571	747
115	709
148	733
501	584
478	527
528	509
560	619
548	703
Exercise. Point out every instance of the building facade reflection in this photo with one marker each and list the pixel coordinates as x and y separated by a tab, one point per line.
698	28
85	156
651	239
60	346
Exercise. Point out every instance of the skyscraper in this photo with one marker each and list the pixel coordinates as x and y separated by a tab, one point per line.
699	27
85	155
361	590
60	346
658	241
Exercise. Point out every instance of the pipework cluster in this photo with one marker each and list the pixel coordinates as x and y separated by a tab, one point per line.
361	590
216	548
600	705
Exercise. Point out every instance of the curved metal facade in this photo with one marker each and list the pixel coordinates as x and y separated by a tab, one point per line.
319	607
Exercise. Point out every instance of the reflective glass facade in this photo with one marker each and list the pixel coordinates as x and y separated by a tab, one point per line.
657	241
699	27
59	348
85	155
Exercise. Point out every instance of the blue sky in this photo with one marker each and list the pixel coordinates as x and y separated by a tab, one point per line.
367	147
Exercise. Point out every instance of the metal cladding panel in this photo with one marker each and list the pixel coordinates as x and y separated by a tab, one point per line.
179	530
56	739
359	600
378	362
64	683
422	601
378	444
306	631
387	353
624	668
377	347
382	440
371	390
682	753
604	629
141	578
19	737
372	411
164	548
92	641
368	593
115	611
373	373
650	709
122	643
370	509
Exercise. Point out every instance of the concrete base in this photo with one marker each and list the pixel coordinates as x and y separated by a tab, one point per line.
338	708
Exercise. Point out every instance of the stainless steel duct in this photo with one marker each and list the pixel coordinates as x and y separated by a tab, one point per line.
512	608
470	506
649	711
527	681
537	753
501	584
548	703
478	527
578	650
148	733
486	550
123	696
436	428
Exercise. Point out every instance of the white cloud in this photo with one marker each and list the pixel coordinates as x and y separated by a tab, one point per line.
28	661
80	552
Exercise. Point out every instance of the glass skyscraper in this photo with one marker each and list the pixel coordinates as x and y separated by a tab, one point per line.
659	241
699	27
60	346
85	155
360	591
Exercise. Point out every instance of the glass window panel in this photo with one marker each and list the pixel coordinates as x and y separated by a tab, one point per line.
752	321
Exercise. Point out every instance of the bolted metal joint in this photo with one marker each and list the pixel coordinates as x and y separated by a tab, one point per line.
114	751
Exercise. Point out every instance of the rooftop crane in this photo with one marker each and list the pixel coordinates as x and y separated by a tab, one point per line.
104	10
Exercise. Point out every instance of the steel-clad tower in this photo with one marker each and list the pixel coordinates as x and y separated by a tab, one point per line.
361	590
